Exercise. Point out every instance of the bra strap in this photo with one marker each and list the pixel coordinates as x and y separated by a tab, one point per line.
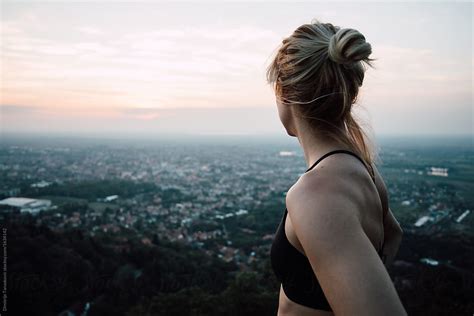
370	168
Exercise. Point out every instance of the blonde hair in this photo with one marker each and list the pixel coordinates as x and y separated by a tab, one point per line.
318	69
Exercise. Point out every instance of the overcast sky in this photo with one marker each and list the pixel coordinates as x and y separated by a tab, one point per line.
106	67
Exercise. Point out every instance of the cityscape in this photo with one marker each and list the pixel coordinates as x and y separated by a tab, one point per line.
224	197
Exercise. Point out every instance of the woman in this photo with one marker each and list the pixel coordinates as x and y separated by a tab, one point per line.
337	232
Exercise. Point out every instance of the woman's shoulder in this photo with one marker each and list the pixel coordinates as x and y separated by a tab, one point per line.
322	207
341	173
335	180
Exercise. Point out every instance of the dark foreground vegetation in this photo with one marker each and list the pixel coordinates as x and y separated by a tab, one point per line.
51	272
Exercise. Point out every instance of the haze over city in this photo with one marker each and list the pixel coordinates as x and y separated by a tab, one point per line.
118	68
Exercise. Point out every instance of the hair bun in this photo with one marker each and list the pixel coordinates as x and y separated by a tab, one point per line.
347	46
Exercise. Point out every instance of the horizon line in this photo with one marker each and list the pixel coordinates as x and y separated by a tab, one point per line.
147	136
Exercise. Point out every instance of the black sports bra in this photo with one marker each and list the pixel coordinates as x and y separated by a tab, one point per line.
293	269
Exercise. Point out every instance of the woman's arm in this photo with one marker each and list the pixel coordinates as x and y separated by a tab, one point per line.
323	212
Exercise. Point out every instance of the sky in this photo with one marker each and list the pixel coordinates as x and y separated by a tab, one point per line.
156	68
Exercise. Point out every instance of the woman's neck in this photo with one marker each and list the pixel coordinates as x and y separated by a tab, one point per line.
315	145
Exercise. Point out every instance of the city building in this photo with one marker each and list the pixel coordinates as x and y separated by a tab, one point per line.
32	206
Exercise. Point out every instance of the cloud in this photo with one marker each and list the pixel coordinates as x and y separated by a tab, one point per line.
143	121
404	72
96	48
8	109
178	67
90	30
145	114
